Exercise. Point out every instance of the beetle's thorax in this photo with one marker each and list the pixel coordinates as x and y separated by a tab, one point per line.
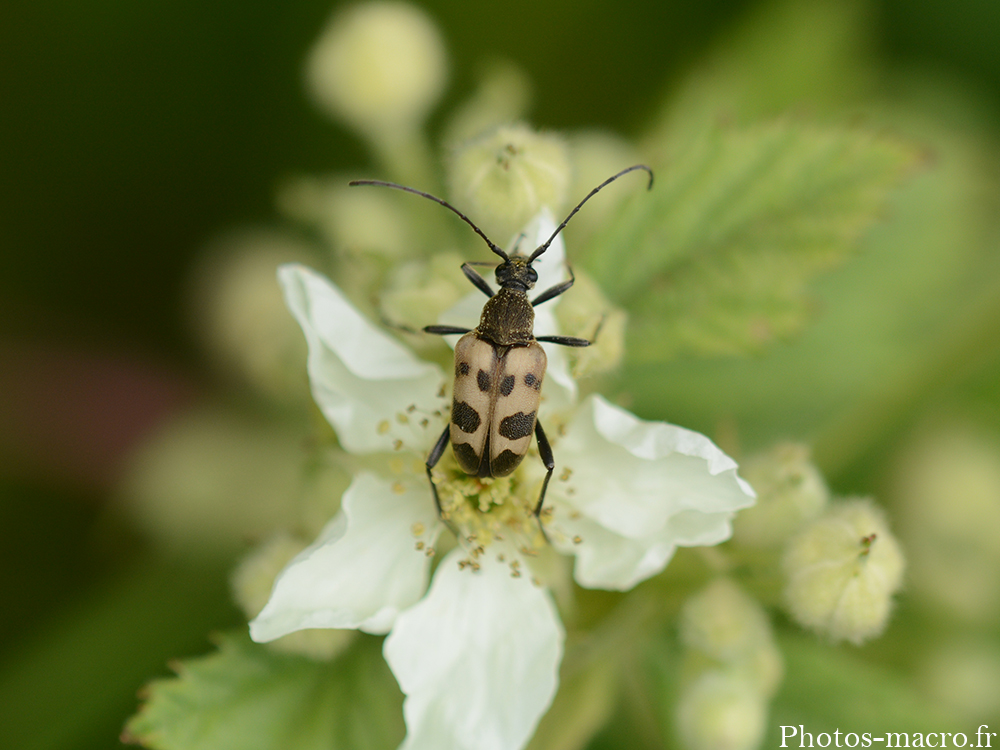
508	319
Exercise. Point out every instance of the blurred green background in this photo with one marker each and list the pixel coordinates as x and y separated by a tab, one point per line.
130	135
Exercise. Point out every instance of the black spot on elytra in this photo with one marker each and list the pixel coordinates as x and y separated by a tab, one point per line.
484	381
517	426
505	463
531	381
466	457
464	417
507	385
462	368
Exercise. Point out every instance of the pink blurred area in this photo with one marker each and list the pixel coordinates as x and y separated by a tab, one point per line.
70	415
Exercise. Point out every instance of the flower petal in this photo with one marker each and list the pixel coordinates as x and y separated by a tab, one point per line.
636	490
361	378
478	659
607	560
362	570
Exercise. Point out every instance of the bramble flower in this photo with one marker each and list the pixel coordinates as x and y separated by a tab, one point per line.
477	653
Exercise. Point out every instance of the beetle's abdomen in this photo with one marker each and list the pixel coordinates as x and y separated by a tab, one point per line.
495	406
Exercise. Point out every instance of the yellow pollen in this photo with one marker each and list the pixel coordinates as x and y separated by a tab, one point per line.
411	408
419	545
383	427
397	444
402	418
429	552
398	488
566	474
577	539
418	529
486	510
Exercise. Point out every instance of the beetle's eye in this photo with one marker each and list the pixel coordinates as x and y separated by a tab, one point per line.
532	275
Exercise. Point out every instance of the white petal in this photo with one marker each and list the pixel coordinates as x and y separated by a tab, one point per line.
364	568
606	560
636	491
361	377
478	659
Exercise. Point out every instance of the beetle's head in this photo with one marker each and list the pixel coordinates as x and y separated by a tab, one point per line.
516	273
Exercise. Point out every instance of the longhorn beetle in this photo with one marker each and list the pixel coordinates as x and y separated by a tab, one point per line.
499	365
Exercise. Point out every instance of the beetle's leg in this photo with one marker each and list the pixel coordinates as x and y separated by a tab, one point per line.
554	291
572	340
436	452
545	453
477	281
563	340
445	330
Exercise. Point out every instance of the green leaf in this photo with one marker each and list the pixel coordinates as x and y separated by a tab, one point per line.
784	55
249	697
718	257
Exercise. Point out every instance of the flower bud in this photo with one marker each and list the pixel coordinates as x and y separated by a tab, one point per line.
842	571
721	711
208	480
252	582
723	622
240	312
723	627
379	67
505	177
790	491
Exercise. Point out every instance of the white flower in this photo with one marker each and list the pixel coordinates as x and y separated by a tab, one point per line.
477	655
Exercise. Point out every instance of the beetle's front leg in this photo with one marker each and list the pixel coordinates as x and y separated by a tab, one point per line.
555	291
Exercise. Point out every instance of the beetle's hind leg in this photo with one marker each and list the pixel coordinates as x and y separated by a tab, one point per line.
545	453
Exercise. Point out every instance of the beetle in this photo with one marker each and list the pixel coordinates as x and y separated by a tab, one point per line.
499	365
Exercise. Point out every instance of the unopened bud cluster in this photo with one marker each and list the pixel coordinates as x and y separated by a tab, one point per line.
506	176
842	571
378	67
731	670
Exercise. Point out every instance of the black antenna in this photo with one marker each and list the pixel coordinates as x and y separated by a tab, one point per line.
590	195
447	205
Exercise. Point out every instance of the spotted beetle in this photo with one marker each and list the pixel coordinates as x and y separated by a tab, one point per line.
499	365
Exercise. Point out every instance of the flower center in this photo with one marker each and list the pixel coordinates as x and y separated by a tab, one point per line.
484	511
